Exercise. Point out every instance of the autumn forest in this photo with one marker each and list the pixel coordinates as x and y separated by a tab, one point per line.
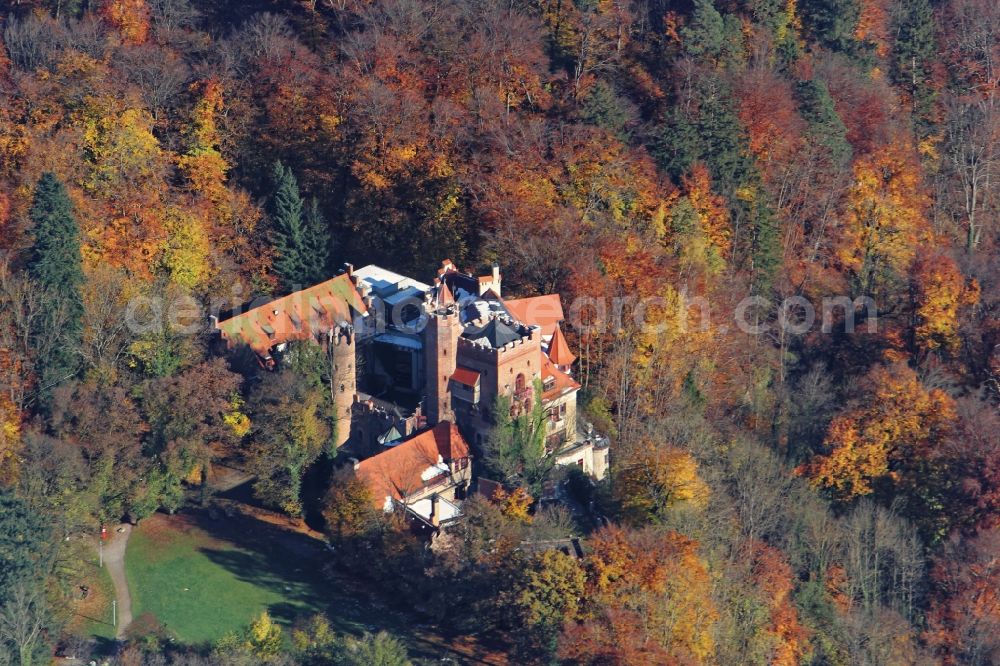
822	487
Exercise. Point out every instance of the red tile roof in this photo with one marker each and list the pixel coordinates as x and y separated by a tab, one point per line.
399	471
488	488
298	316
544	311
559	350
465	376
562	380
444	295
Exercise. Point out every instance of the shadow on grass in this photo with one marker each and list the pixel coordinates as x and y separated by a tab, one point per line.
95	620
296	567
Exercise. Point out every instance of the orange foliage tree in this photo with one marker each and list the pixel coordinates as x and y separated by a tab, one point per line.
649	598
129	17
939	291
884	221
203	164
964	619
885	437
773	575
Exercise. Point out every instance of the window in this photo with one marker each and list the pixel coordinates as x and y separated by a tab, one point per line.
553	442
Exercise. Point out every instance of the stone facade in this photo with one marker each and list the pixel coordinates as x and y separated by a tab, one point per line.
408	355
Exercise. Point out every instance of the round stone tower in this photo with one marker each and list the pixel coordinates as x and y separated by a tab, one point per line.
342	352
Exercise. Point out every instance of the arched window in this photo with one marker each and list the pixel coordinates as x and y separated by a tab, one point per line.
519	383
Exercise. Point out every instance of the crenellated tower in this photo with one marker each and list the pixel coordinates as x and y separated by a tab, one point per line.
440	348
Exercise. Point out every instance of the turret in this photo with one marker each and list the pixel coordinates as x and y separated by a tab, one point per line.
342	351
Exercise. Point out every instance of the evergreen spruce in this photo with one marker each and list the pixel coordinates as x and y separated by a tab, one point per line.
914	52
833	23
55	261
765	243
722	136
24	545
713	135
317	243
825	125
603	108
705	33
287	228
56	267
300	236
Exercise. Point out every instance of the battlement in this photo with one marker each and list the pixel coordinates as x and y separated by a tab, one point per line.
482	349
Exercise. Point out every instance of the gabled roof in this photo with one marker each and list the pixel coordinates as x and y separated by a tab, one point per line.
495	331
544	311
561	382
559	349
299	316
413	463
389	437
466	376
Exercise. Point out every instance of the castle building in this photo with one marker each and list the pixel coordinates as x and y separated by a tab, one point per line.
408	356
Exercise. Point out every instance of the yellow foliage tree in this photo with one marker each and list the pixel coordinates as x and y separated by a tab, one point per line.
123	221
514	504
939	292
657	479
884	222
10	439
203	164
896	426
651	597
187	253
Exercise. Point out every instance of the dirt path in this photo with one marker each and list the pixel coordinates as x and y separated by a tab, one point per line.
114	560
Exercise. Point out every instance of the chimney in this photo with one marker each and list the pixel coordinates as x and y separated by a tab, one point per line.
496	278
435	511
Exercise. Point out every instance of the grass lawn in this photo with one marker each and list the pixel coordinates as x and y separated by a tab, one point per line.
92	616
196	579
199	586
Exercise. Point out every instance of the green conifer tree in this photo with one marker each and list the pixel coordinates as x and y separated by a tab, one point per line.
825	125
833	23
604	108
300	236
913	53
26	622
55	256
317	243
705	33
56	267
287	228
24	551
722	136
712	134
